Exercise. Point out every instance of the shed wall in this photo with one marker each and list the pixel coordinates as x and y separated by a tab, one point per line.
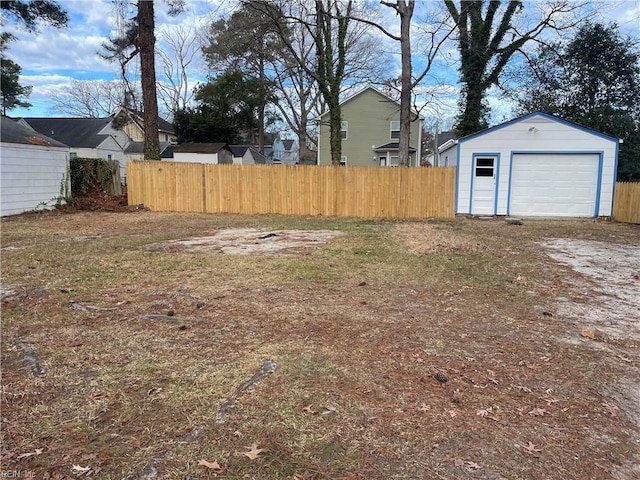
195	157
30	177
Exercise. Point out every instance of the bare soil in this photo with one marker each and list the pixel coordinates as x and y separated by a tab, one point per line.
151	333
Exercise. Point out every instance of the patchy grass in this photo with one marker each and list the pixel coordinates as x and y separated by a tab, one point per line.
358	328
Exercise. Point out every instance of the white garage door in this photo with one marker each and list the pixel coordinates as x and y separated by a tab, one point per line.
554	185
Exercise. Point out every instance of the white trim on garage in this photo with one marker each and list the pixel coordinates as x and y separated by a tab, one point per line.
555	184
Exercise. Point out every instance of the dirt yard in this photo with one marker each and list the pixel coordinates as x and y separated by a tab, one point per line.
146	345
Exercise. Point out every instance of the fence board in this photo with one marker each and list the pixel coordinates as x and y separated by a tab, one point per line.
370	192
626	202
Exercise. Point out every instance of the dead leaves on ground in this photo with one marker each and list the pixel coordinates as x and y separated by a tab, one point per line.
37	451
468	464
217	468
537	412
254	452
611	408
588	333
326	410
532	449
214	466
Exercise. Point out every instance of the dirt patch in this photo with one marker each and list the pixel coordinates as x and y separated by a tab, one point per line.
606	303
609	283
251	241
432	237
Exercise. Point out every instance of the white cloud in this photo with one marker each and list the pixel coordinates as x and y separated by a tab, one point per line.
55	57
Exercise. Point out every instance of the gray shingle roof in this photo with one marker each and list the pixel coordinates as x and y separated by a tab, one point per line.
76	132
392	146
200	147
167	152
443	137
13	132
258	157
239	150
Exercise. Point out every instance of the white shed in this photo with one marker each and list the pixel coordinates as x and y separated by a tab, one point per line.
34	169
536	165
203	153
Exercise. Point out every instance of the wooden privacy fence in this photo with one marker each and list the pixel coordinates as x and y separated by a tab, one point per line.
626	202
370	192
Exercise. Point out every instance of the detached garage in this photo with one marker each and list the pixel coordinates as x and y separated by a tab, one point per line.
537	165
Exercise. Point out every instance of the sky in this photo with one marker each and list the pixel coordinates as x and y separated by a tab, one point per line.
52	58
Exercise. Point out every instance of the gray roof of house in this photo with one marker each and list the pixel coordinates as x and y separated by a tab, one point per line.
287	144
239	150
390	147
200	148
445	136
257	156
138	147
167	152
75	132
14	132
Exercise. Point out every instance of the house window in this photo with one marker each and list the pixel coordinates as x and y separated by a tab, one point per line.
446	161
344	130
395	130
109	157
394	161
343	160
484	166
382	161
73	155
166	137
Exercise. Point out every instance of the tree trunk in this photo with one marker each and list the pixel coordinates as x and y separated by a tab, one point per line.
146	45
261	109
406	12
335	138
472	119
330	70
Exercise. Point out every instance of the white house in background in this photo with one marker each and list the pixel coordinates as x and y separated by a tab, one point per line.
444	141
86	137
536	165
246	155
34	169
203	153
285	152
120	136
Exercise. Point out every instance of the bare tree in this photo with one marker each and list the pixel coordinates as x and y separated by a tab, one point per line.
299	98
179	49
327	23
295	64
436	34
89	98
489	35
